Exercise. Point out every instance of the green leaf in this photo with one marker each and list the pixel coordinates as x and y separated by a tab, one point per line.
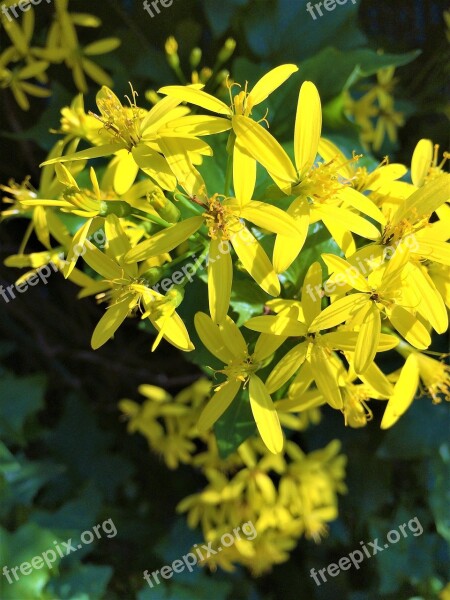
22	546
84	582
20	399
235	425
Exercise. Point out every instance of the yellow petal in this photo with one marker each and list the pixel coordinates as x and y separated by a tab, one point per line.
244	173
277	325
199	125
269	217
377	380
265	415
430	303
424	201
125	173
308	126
348	219
368	339
211	337
220	277
346	341
218	405
348	273
113	318
233	338
339	311
311	300
256	261
409	327
325	377
285	369
265	149
101	263
328	151
404	392
173	329
195	96
97	152
287	248
176	153
421	161
165	241
270	82
266	345
361	203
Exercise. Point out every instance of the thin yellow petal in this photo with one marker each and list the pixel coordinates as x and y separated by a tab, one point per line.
270	82
368	339
218	405
339	311
421	161
164	241
256	261
211	337
404	392
195	96
233	338
265	415
269	217
325	377
287	367
308	126
409	327
220	277
113	318
277	325
311	300
265	149
287	248
244	173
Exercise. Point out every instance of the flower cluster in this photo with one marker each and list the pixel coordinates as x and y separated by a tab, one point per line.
22	61
285	496
167	194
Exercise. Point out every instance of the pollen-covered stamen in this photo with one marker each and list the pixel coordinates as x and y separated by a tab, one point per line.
435	376
240	369
363	180
220	219
321	183
356	411
393	233
436	170
123	122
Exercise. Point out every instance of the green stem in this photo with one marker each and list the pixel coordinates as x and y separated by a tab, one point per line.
229	171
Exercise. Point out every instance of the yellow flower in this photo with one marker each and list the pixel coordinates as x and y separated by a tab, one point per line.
434	374
63	44
305	320
16	79
241	107
424	163
226	342
127	292
321	195
223	218
158	142
382	291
